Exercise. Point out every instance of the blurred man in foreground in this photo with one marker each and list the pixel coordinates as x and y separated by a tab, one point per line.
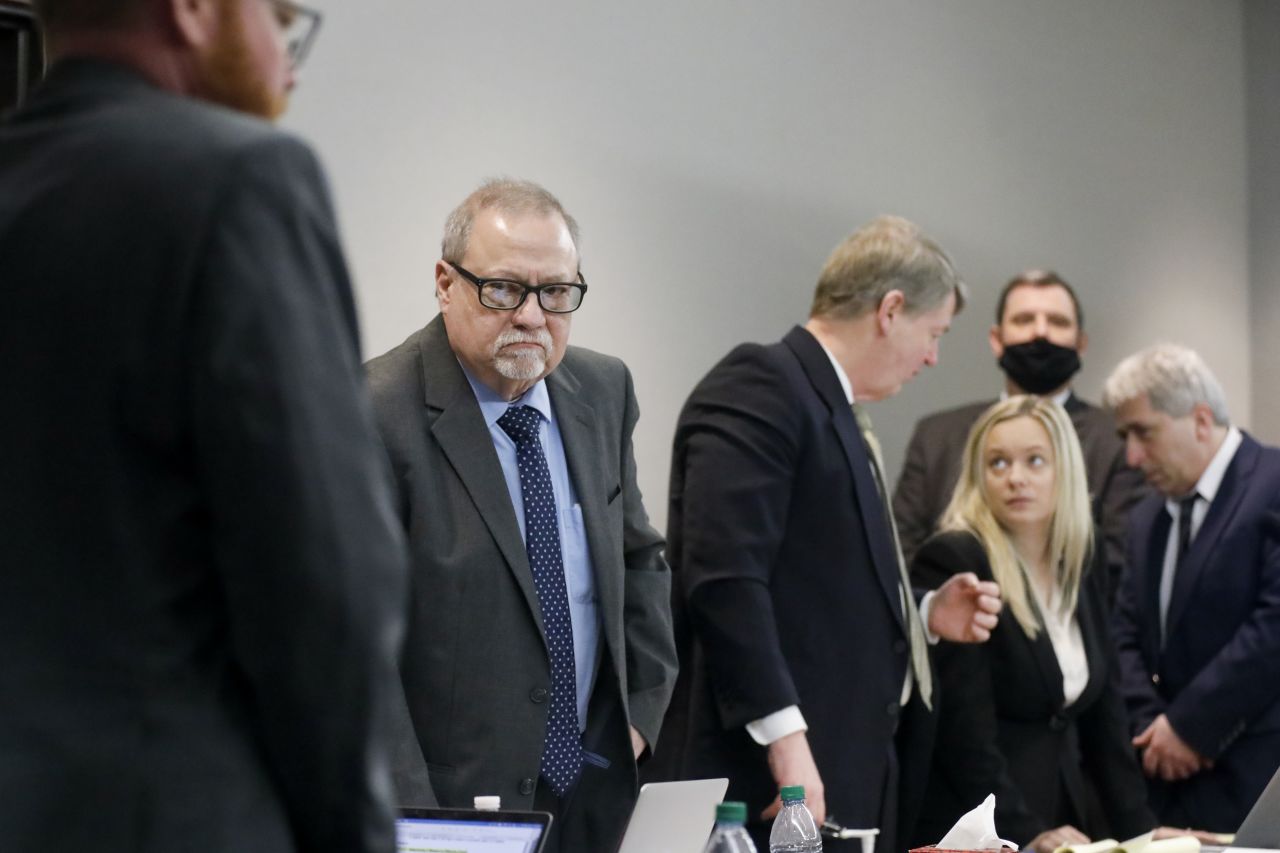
201	599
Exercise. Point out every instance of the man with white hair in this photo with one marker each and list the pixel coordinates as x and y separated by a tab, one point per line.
539	659
1197	621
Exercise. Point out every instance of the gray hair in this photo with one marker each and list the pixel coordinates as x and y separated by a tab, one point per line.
888	253
1174	378
507	195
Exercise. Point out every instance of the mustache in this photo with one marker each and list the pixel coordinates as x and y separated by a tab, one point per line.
541	337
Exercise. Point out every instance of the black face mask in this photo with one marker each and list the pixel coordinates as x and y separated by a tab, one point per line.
1039	366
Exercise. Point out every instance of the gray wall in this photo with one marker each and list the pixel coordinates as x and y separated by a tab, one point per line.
1262	45
715	151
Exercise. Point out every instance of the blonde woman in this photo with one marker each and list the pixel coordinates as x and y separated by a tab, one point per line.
1033	715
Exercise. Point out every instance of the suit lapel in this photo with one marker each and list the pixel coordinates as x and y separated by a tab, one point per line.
1092	630
464	439
871	510
1042	650
1009	633
585	453
1230	493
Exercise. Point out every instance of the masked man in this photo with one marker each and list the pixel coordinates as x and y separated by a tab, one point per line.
1037	339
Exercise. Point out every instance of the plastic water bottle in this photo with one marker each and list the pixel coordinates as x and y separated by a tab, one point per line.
730	835
794	830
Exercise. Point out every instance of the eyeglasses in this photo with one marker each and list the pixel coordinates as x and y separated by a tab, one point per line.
300	25
561	297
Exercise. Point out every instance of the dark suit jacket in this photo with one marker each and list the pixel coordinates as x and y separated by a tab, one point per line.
932	467
1003	727
476	668
203	581
787	585
1218	675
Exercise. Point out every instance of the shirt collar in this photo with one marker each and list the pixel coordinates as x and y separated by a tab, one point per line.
1211	480
1060	398
840	374
492	405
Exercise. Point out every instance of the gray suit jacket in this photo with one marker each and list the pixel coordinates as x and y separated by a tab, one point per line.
475	669
202	581
932	467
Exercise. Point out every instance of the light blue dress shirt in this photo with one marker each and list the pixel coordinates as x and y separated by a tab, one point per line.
578	571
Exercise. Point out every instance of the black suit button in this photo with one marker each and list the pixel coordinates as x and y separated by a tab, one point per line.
1155	678
538	694
900	647
893	708
1057	722
526	787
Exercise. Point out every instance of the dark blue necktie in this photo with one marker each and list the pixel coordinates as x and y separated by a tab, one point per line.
1186	506
562	748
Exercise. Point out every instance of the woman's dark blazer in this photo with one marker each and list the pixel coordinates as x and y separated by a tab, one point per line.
1002	727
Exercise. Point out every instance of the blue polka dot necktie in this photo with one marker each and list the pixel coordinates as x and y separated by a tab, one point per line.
562	748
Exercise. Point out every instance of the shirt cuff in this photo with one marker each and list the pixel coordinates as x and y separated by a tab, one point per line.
777	725
926	607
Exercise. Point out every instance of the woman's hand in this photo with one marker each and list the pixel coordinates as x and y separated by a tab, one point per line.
1204	837
1051	839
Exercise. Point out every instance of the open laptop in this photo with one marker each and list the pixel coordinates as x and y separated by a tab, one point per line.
673	817
470	831
1261	827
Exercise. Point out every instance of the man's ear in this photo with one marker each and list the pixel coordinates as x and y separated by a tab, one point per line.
193	22
1202	415
444	285
892	304
997	345
1082	342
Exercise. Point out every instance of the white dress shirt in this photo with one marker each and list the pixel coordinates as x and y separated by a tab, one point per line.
789	720
1067	641
1206	490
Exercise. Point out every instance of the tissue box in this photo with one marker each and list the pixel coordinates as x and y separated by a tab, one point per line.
946	850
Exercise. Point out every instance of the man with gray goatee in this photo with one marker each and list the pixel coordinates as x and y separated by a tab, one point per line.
539	659
1198	612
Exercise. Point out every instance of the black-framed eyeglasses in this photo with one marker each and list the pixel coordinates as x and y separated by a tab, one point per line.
502	294
300	25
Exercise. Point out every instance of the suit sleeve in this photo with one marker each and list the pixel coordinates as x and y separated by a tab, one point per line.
651	650
1141	699
1104	728
1117	495
1243	679
967	752
910	497
306	544
738	445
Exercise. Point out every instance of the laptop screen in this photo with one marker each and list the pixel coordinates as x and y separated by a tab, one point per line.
476	832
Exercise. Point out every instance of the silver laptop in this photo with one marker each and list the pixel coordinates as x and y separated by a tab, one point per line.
673	817
471	831
1261	827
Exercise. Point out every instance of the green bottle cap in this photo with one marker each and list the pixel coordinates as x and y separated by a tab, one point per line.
731	812
792	792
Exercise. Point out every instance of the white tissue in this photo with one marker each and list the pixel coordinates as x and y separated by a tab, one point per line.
976	830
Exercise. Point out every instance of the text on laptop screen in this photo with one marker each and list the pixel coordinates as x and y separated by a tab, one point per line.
415	835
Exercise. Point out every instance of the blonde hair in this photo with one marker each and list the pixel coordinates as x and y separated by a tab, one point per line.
1071	530
888	253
